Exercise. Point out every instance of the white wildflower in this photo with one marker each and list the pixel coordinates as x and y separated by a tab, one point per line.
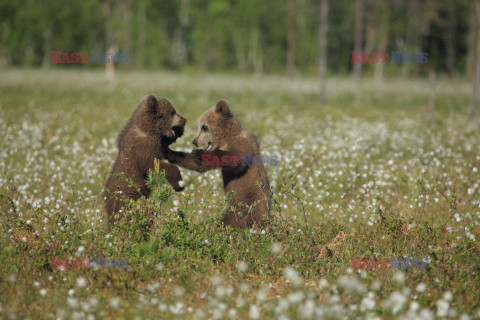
351	285
323	283
159	267
395	302
367	303
293	276
422	287
442	308
276	248
114	303
254	313
81	282
296	297
399	277
242	266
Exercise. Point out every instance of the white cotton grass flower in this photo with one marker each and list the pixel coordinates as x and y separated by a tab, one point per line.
262	294
351	285
307	310
399	277
296	297
216	280
232	313
293	276
222	291
93	302
71	292
242	266
276	248
239	302
448	296
323	284
442	308
162	307
181	183
177	308
363	274
153	287
37	284
368	303
377	285
179	292
176	203
81	282
244	287
406	291
282	305
114	303
254	313
159	267
12	278
395	302
421	287
414	306
43	292
412	313
72	302
464	316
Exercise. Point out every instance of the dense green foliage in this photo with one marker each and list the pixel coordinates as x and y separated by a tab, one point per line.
243	35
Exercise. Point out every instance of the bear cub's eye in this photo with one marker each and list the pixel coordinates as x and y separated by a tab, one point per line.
204	128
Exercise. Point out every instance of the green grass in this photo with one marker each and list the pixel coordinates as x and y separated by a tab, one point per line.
370	149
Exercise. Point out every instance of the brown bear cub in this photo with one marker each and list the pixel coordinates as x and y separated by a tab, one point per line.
154	125
248	185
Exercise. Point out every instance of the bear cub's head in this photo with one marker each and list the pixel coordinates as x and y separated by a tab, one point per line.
214	125
157	116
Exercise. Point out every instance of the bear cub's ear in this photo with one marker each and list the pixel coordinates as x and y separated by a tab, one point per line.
151	103
223	108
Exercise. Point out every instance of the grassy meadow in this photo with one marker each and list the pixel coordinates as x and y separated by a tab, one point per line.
374	174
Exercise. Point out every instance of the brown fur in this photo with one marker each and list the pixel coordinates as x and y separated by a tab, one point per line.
220	128
153	124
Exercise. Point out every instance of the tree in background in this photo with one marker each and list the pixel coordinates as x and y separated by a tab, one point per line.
357	41
322	52
476	75
291	38
382	43
273	36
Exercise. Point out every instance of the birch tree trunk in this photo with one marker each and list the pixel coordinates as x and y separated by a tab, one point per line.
383	42
322	52
358	32
291	38
476	75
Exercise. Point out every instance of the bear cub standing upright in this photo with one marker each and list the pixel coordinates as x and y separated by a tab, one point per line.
154	124
248	185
